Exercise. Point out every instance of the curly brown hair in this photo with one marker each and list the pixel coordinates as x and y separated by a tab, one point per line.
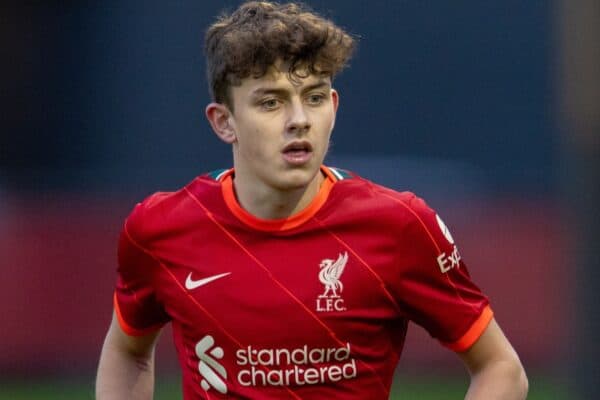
259	34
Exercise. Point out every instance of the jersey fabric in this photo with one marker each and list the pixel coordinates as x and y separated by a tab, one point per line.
309	307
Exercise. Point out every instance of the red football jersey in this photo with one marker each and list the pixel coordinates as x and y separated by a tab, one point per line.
309	307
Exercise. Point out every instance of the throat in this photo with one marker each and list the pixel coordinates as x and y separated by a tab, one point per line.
271	204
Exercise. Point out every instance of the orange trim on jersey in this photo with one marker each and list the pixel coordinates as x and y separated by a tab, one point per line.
282	224
128	329
474	332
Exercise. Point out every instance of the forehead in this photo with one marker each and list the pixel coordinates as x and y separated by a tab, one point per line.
278	77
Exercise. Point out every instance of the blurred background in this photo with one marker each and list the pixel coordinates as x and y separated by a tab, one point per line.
489	110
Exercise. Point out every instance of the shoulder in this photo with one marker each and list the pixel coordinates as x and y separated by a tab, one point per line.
364	193
402	211
164	212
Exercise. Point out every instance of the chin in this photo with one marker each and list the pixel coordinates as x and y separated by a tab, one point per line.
297	179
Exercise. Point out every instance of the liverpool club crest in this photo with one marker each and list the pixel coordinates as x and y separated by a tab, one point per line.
329	275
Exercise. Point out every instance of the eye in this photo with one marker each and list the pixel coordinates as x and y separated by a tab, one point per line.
315	99
269	104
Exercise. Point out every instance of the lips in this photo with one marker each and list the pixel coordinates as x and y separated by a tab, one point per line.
299	146
297	153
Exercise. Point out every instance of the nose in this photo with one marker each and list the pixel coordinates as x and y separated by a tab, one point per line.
298	121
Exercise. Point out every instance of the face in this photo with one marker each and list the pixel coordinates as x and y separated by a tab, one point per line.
280	129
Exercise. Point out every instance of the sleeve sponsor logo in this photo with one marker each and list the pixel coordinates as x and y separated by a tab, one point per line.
444	229
447	261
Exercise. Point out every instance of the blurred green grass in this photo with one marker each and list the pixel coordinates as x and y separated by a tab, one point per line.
421	388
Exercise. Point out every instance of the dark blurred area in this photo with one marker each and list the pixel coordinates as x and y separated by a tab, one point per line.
482	108
101	96
579	99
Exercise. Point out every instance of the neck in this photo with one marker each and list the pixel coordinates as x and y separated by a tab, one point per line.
266	202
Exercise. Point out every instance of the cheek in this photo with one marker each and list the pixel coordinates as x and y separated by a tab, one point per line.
325	126
325	118
254	144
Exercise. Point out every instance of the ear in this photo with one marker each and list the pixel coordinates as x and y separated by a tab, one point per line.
335	99
218	116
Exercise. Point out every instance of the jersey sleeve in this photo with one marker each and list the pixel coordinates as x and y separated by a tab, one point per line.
435	288
136	304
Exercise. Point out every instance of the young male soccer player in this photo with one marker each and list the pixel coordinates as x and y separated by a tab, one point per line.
282	277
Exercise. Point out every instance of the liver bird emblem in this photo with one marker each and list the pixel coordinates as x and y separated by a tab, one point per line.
330	274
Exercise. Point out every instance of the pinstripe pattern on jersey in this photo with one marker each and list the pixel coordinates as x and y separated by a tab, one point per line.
331	333
364	264
435	244
192	299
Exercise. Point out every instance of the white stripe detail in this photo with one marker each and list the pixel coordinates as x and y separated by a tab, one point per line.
336	173
218	177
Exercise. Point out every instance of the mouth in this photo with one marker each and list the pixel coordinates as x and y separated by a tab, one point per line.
298	152
298	147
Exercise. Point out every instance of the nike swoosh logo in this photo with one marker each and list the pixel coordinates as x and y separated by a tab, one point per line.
192	284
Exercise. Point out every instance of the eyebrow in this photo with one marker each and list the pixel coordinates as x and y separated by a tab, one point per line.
284	92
